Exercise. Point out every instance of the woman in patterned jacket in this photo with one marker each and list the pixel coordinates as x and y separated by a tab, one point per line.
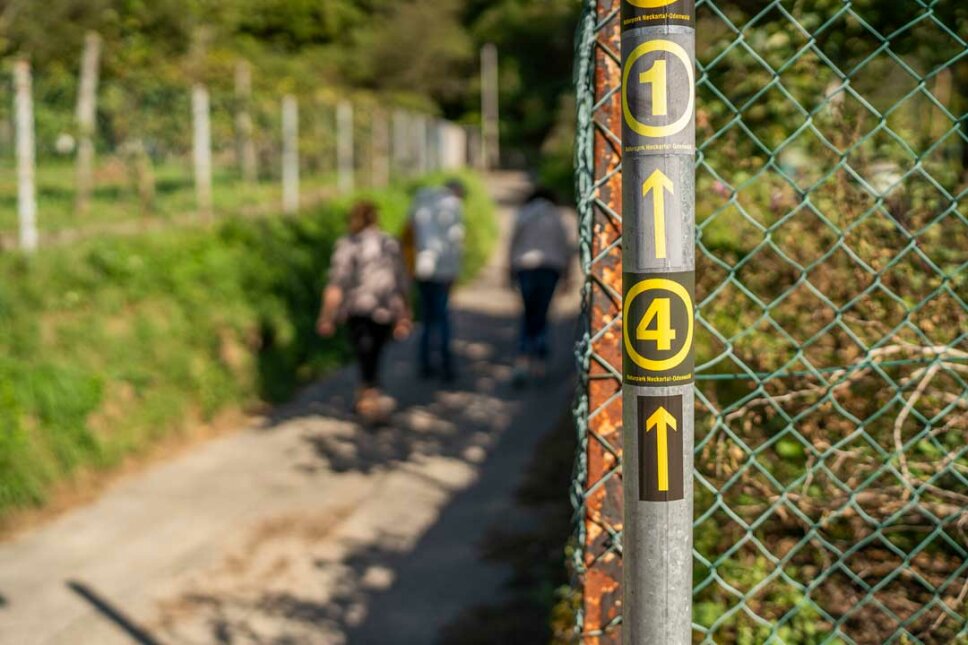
367	290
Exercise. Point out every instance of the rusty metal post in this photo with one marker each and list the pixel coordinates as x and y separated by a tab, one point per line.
658	189
602	562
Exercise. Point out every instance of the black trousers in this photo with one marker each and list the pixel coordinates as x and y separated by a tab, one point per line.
537	290
368	338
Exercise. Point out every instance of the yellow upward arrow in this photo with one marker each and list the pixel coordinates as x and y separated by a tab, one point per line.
662	420
658	183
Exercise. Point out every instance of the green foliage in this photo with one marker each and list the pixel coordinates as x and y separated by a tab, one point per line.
116	200
108	346
556	166
535	41
418	53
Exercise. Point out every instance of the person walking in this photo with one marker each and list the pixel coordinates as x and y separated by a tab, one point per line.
540	257
368	291
436	232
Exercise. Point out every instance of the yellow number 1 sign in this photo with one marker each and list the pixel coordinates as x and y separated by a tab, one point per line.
657	78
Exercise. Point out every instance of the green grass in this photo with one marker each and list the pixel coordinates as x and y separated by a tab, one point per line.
115	199
110	345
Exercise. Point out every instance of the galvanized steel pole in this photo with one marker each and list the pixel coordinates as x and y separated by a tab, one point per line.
658	196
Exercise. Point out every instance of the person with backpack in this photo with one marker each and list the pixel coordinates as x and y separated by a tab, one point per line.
435	233
367	290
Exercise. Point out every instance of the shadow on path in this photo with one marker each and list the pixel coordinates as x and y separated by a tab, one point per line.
407	559
104	607
400	556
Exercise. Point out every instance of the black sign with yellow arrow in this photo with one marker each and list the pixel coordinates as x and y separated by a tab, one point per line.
660	448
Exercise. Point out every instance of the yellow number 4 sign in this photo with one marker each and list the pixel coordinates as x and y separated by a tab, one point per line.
656	338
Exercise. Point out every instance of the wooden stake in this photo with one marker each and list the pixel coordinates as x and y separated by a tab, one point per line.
245	147
86	117
202	140
290	155
26	190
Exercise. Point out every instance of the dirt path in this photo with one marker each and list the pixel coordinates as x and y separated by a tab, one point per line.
308	528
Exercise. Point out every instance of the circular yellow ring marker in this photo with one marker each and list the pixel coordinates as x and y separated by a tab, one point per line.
683	295
656	131
650	4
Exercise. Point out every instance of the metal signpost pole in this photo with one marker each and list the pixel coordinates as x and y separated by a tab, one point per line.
658	196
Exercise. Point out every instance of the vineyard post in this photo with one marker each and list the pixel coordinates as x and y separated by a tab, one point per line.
202	150
290	155
344	147
26	188
86	113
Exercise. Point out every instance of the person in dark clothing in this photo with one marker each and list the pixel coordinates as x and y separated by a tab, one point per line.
537	288
367	290
540	256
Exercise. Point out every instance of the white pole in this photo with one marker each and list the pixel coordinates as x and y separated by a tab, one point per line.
202	140
490	119
381	149
86	113
26	191
290	155
245	147
400	147
419	125
344	146
453	142
475	154
433	144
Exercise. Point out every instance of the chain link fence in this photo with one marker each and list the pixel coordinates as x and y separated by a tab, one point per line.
832	349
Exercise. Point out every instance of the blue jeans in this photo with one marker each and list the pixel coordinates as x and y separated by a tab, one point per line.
435	308
537	289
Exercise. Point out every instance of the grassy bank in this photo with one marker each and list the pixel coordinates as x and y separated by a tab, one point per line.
115	200
110	346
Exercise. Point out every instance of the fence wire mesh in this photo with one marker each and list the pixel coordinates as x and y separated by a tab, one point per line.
832	405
